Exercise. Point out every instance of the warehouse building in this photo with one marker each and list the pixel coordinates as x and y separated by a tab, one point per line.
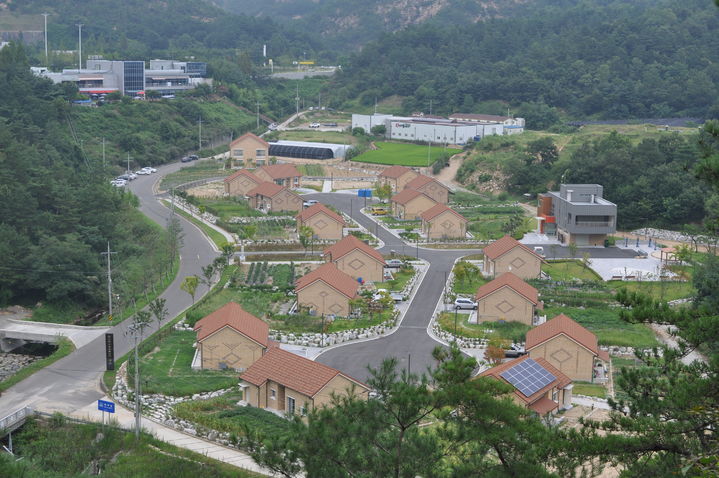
308	150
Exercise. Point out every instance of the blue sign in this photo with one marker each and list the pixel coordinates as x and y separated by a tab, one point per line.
105	406
364	193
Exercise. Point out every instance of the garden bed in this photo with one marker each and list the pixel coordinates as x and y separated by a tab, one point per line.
506	332
569	270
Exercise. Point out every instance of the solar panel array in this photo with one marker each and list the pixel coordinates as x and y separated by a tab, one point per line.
528	377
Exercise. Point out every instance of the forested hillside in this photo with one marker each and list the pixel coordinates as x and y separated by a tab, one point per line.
611	59
57	211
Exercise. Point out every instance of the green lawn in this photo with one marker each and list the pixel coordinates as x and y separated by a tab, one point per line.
228	208
589	389
490	227
503	331
166	369
403	154
606	324
260	303
569	270
200	170
471	282
401	277
318	136
661	290
338	325
224	415
311	169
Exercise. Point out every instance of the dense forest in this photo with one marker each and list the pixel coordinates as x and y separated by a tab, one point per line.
610	59
57	211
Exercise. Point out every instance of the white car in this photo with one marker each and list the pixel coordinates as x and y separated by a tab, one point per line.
142	172
314	125
465	303
118	183
310	202
131	175
150	169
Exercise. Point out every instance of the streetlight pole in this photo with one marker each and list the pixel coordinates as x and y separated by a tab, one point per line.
258	115
47	58
109	278
79	49
455	319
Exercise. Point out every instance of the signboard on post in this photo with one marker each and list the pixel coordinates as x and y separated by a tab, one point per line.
110	351
105	406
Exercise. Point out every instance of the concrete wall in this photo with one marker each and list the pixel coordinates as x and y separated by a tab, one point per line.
323	300
358	264
413	208
230	347
252	150
323	226
568	356
523	264
445	226
436	191
240	186
505	304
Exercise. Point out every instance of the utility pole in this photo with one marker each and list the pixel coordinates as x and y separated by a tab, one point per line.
430	107
297	101
109	278
79	49
136	329
47	58
319	100
258	115
199	134
128	163
375	105
103	152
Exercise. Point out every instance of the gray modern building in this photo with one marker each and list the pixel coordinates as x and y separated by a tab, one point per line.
578	214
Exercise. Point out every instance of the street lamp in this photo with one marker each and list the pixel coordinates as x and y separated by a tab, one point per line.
456	309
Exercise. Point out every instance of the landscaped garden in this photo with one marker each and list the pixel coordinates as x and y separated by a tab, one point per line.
401	277
467	278
569	270
504	332
404	154
199	170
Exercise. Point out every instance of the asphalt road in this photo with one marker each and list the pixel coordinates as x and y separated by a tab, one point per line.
73	382
410	344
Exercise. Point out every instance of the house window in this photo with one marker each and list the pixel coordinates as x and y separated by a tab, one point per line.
273	394
260	153
290	405
236	153
555	395
303	410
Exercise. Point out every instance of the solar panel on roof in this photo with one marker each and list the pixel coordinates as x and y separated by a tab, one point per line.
528	377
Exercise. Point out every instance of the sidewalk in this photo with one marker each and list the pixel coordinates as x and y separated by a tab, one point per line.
126	419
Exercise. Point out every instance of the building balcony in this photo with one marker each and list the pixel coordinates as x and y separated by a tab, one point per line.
594	224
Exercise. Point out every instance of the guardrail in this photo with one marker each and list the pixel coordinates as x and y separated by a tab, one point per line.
14	420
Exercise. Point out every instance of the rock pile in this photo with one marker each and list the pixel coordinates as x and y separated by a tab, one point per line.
10	364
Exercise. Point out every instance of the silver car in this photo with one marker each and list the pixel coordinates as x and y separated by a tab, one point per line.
465	303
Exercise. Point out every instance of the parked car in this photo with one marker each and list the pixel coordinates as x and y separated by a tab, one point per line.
150	169
272	126
118	183
131	175
186	159
142	172
394	263
123	177
378	211
314	125
194	157
396	296
465	303
310	202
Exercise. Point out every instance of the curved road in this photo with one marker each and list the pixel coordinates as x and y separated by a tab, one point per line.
73	382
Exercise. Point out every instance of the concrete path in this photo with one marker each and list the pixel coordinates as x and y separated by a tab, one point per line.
27	330
126	419
327	186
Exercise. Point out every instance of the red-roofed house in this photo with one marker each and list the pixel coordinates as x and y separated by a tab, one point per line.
356	258
437	191
286	382
281	174
568	346
249	149
556	392
230	337
324	222
397	177
410	203
442	222
509	255
241	182
326	290
507	298
269	196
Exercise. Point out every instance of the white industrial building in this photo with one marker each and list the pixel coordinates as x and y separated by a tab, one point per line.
433	129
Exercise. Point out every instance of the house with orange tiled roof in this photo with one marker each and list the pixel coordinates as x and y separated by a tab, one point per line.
509	255
538	385
269	196
326	291
437	191
357	259
324	222
397	177
249	149
241	182
410	204
231	337
507	298
442	222
569	347
285	175
285	382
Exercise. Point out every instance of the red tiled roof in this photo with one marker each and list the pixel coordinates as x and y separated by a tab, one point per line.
243	172
350	243
562	324
504	245
407	194
297	373
278	171
512	281
421	180
250	135
561	379
395	171
305	214
438	209
231	314
543	406
333	277
266	189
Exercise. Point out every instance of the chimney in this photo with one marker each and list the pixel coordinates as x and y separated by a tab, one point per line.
592	201
569	195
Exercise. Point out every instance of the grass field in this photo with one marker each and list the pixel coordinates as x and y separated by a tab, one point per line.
589	389
167	369
334	137
569	270
506	332
401	277
661	290
403	154
202	170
